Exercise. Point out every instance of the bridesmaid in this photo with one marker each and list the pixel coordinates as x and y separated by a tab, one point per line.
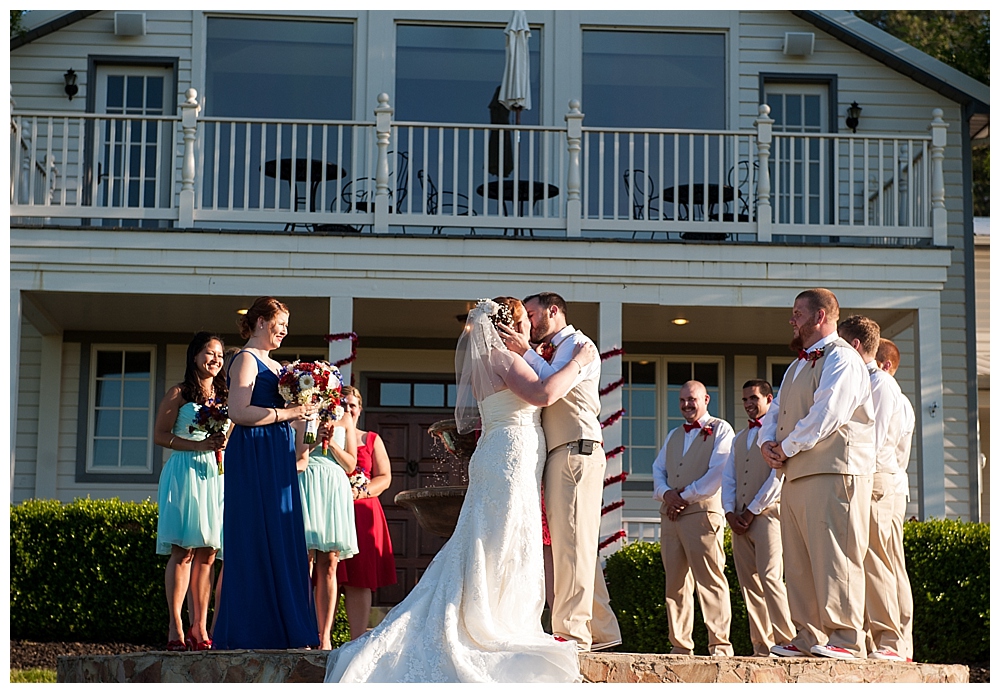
328	512
189	523
374	566
265	602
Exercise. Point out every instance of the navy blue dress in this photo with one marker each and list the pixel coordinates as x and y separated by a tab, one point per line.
266	594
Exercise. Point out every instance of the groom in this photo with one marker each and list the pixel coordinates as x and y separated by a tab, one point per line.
573	477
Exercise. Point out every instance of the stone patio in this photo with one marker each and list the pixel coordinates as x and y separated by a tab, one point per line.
308	666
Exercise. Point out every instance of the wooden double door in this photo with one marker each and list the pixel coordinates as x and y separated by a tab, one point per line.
417	461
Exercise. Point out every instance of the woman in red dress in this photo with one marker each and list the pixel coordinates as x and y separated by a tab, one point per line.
374	565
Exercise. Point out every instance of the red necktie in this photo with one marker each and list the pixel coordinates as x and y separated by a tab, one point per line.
754	423
691	426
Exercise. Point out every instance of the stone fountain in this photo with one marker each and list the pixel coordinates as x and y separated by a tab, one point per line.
437	507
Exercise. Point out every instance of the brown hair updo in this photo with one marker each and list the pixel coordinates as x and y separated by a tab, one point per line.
264	307
511	310
351	390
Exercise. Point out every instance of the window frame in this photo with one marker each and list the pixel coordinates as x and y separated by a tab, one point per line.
118	474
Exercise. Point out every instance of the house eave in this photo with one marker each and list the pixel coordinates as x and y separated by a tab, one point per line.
49	27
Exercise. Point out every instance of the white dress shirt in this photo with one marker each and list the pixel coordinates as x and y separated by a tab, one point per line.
887	402
564	341
708	485
903	447
770	490
843	387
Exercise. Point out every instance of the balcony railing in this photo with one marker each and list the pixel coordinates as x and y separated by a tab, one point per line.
381	176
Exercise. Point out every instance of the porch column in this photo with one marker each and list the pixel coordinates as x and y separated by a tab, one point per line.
930	411
939	215
189	127
574	135
383	133
49	395
341	320
610	337
15	380
763	123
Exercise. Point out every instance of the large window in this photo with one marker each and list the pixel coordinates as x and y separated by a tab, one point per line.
654	79
449	73
273	68
121	424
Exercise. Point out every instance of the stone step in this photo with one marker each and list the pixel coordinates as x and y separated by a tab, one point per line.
309	666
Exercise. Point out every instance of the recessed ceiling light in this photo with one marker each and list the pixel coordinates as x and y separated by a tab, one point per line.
680	321
242	311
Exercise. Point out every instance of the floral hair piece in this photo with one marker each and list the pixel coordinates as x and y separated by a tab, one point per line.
485	306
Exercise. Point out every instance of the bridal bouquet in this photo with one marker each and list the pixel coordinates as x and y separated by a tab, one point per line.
312	381
211	419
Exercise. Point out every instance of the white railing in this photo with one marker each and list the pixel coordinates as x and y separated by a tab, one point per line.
571	180
641	529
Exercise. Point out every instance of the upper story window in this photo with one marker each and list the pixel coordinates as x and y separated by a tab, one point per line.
272	68
121	427
654	79
448	74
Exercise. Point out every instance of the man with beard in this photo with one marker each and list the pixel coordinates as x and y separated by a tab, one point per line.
887	358
573	480
820	433
750	499
687	478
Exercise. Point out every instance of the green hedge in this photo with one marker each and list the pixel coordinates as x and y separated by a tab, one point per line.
88	571
947	560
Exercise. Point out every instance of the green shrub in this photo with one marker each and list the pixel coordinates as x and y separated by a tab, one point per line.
88	571
636	582
947	562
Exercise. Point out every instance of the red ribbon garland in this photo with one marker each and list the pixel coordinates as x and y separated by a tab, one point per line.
616	479
614	453
340	336
620	534
613	352
611	387
613	418
612	506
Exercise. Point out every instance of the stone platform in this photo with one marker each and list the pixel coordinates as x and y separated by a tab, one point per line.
308	666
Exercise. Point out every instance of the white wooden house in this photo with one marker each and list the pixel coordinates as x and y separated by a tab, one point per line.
689	167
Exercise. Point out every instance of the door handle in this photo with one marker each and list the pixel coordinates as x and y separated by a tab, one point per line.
412	468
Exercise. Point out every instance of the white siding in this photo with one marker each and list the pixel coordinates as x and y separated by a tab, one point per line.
27	413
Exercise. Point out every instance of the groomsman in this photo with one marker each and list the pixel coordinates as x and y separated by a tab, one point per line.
820	433
887	358
884	537
750	499
687	478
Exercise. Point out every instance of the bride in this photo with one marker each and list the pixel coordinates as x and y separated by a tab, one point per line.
474	616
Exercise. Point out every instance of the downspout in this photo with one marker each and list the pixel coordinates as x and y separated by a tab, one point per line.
972	375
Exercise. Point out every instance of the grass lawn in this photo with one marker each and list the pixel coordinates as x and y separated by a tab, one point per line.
32	675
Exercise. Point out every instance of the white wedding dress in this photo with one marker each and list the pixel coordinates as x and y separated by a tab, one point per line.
474	614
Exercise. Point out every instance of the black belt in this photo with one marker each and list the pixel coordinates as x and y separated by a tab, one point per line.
583	446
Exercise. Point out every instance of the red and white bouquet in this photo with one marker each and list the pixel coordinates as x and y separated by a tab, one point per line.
330	411
309	382
359	482
210	419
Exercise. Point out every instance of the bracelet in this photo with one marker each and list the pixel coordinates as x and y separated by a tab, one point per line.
578	365
275	414
170	445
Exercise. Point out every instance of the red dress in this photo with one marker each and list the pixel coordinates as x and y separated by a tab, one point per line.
373	566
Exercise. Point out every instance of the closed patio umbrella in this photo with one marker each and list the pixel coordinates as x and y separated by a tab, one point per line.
515	88
499	115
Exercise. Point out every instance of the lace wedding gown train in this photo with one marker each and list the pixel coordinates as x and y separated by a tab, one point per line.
474	614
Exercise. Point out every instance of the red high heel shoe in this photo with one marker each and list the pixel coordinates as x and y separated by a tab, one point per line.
195	645
176	646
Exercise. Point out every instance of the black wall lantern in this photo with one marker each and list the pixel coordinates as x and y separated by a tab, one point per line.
71	88
853	115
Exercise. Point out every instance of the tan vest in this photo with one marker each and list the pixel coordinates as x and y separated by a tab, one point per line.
853	441
574	417
685	468
751	471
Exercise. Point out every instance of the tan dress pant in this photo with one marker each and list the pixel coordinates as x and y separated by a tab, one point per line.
759	566
693	557
604	624
574	491
882	619
824	538
903	590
